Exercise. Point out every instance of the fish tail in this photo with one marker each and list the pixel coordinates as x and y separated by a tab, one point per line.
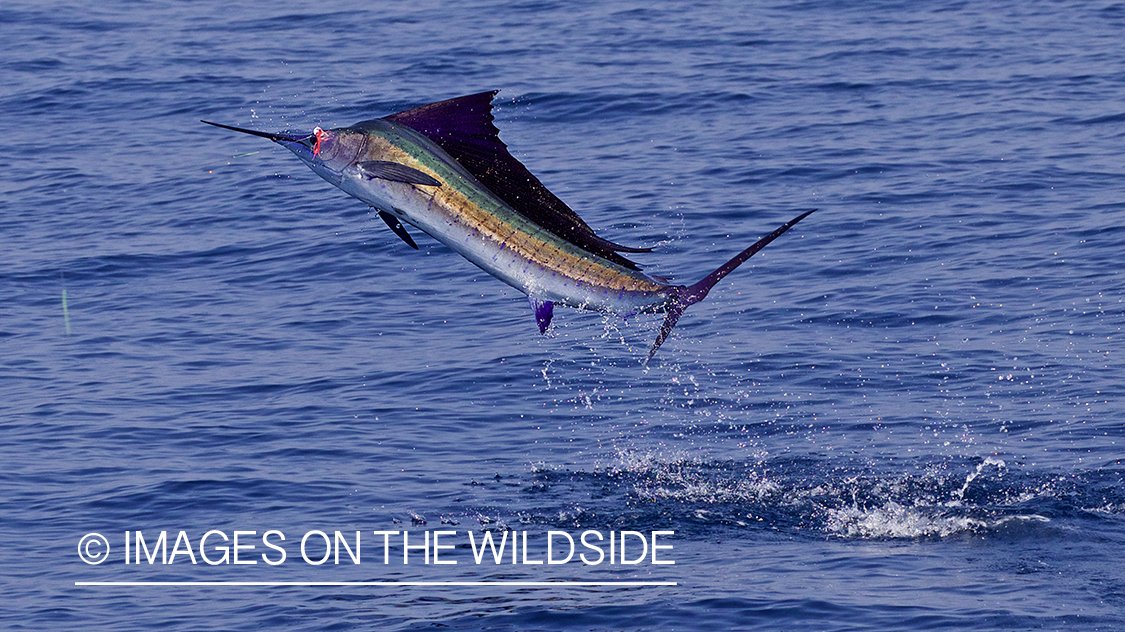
692	294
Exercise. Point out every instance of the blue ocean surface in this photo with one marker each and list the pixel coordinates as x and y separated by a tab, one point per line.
904	414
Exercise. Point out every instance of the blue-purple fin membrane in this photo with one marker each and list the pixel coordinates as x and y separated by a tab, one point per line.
464	128
544	310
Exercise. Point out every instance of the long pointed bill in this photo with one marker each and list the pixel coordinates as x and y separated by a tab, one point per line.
292	138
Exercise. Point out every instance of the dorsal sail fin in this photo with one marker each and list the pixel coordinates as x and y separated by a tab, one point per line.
463	127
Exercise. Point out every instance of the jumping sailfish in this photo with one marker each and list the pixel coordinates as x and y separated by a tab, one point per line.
443	169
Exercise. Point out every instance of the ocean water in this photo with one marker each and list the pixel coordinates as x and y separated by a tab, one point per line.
904	414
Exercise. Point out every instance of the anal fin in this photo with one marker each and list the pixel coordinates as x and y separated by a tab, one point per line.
396	226
544	310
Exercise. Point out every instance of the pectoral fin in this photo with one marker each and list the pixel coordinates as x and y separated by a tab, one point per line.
544	310
396	226
396	172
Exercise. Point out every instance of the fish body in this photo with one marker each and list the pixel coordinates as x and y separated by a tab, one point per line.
442	169
473	221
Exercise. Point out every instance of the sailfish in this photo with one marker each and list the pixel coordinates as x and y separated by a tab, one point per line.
443	169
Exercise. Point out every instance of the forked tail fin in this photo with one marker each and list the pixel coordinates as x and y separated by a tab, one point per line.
692	294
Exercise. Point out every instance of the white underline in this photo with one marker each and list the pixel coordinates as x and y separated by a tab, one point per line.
383	583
